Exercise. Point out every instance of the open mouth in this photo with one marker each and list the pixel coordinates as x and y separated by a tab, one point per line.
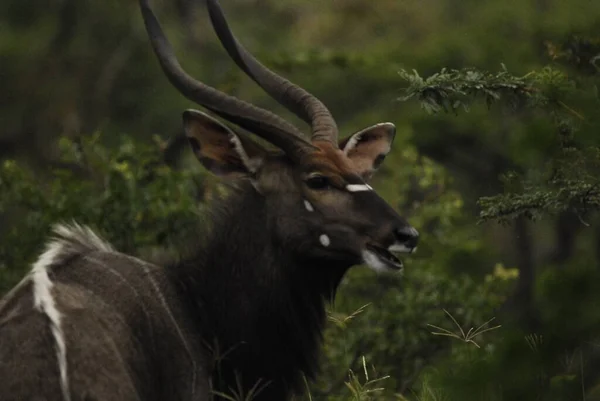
381	259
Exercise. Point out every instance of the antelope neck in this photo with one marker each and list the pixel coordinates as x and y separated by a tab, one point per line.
256	298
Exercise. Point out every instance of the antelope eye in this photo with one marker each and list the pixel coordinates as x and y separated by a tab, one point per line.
318	182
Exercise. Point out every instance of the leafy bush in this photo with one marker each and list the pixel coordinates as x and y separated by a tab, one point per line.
128	194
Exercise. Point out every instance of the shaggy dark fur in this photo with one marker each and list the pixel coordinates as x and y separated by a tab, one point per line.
240	309
269	331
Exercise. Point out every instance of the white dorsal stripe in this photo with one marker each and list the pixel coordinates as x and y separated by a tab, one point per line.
82	235
44	302
358	187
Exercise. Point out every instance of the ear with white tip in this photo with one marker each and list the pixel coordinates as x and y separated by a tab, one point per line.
367	148
221	150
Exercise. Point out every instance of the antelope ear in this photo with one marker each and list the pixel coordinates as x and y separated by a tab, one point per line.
367	148
221	150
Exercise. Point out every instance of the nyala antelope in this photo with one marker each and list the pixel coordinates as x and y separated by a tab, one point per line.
245	308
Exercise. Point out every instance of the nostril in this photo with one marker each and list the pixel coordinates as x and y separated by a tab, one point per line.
407	236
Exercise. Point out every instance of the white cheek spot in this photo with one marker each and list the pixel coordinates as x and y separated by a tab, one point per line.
358	187
308	206
324	239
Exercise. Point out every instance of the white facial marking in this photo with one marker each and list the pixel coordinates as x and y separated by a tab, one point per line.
358	187
43	301
324	239
308	206
373	261
414	232
400	248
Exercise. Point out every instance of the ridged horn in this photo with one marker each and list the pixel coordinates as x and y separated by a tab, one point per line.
261	122
296	99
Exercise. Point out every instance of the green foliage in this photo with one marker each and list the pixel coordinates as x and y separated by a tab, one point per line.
450	90
528	147
569	181
467	337
573	186
529	365
520	364
127	193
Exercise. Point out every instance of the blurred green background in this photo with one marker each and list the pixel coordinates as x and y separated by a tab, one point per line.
504	194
